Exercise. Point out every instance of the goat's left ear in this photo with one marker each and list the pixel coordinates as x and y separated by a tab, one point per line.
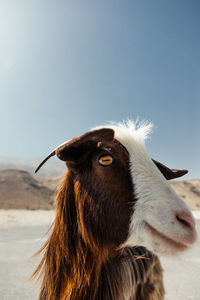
169	173
77	149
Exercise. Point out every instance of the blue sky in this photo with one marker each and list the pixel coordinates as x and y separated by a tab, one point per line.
66	66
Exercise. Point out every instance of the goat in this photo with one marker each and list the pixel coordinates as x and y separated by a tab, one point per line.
115	213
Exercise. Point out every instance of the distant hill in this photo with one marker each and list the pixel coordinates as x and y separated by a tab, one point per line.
20	190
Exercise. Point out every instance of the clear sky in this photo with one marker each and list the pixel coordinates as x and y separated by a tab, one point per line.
66	66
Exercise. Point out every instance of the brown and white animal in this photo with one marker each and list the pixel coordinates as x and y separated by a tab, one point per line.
115	212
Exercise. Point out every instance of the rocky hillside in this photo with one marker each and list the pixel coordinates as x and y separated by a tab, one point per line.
19	190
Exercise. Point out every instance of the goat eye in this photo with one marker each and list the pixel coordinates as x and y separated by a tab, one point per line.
106	160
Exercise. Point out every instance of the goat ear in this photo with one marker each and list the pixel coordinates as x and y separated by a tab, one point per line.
169	173
76	150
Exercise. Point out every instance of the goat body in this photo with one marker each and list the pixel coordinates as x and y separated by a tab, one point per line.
109	211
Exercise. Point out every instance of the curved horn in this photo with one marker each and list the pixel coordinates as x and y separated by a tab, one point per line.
42	163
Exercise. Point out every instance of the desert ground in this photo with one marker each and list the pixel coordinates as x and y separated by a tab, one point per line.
22	234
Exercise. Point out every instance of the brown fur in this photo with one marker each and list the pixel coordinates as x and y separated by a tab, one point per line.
82	258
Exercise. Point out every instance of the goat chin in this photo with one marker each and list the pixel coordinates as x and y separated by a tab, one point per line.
159	241
162	244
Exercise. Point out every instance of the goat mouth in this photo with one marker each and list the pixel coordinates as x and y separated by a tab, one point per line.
165	239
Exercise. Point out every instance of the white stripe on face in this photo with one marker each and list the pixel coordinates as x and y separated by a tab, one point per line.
157	204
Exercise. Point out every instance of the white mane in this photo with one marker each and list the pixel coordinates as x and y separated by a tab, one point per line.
138	130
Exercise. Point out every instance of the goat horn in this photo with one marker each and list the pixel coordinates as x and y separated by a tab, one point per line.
42	163
50	155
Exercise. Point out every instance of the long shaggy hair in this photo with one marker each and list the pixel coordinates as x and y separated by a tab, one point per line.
75	267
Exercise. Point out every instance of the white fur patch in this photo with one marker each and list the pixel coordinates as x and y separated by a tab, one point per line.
156	203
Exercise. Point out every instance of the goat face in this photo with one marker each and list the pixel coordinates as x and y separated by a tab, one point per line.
122	198
102	186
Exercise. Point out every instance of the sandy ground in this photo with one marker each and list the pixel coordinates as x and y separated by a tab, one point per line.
22	234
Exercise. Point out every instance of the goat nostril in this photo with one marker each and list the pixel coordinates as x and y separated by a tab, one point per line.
182	221
185	220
